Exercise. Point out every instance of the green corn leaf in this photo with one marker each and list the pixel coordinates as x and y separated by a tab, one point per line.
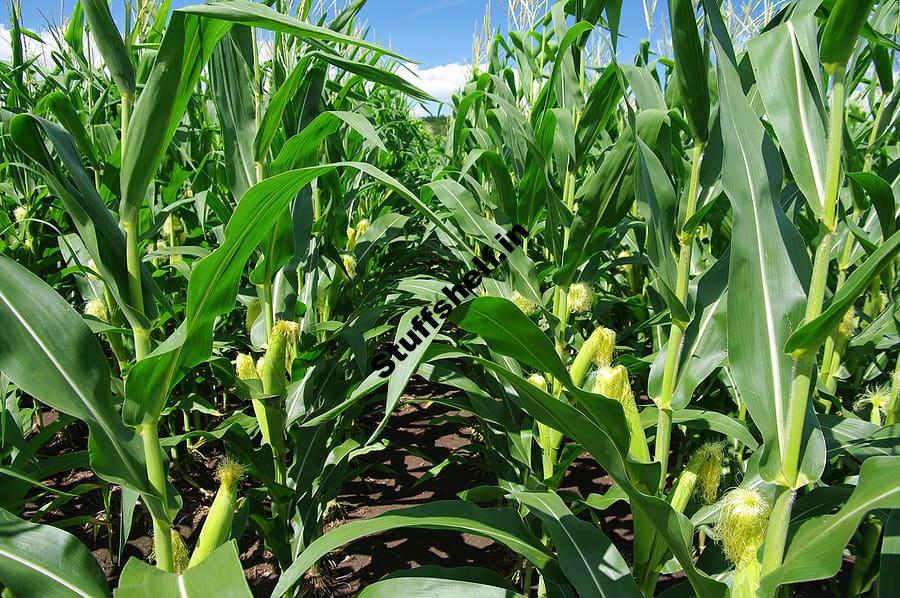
215	281
220	574
563	81
788	80
645	87
605	434
300	75
186	47
501	179
672	526
705	339
372	73
211	293
499	524
882	196
465	210
345	18
883	67
510	332
659	207
301	78
231	82
61	106
254	14
96	226
842	30
815	549
49	352
434	586
587	557
598	110
882	333
691	68
810	336
467	103
300	151
19	475
405	369
889	570
700	419
768	268
74	34
110	44
606	195
40	561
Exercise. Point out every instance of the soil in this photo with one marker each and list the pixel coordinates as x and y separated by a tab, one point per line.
422	435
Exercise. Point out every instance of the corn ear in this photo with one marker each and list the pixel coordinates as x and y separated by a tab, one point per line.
612	382
597	349
701	476
280	353
742	525
217	526
580	298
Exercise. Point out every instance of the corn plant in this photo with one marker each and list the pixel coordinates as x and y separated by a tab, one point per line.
666	213
264	157
217	218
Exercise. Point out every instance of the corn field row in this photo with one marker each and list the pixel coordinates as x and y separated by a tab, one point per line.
221	222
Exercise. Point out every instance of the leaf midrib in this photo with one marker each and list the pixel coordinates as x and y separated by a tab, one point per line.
47	573
770	325
807	137
74	387
575	544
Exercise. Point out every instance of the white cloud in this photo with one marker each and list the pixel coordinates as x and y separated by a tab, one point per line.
440	81
42	50
32	48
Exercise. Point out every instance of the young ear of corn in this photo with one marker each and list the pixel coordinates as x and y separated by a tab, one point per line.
525	94
216	528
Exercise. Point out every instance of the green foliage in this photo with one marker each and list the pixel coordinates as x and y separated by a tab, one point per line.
723	219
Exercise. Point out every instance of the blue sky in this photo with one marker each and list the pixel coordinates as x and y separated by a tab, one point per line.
433	32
